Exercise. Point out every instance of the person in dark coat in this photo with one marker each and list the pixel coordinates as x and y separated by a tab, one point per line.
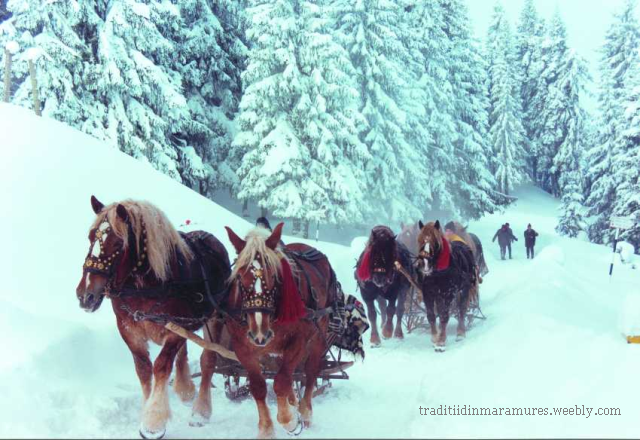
530	240
505	238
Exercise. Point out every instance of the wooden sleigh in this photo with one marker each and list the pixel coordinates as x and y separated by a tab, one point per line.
235	376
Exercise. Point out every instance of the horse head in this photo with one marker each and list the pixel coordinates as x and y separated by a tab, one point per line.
377	264
432	245
262	283
121	250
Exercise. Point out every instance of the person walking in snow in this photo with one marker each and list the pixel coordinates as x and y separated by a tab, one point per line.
530	240
505	238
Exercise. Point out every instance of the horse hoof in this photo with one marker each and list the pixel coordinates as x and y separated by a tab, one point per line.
295	427
399	336
198	421
439	348
151	435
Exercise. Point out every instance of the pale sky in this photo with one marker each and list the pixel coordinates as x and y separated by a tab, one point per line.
587	22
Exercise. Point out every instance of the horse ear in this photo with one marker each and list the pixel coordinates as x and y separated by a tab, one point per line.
97	205
122	213
420	224
437	225
237	242
274	239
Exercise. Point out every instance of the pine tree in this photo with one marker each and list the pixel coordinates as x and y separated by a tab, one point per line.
530	38
474	184
552	114
626	163
46	31
299	122
212	57
567	164
619	53
373	33
506	131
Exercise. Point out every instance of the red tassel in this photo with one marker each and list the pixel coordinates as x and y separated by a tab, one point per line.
291	308
445	256
364	271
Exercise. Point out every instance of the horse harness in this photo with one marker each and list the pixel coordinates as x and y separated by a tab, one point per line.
184	284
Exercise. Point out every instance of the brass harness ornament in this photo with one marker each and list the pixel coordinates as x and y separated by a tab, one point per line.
254	301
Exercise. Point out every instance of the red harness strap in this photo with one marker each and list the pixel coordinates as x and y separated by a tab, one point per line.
291	308
364	272
445	256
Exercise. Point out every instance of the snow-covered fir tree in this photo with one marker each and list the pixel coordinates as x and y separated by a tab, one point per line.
567	168
619	54
299	123
552	114
506	132
46	34
473	185
372	33
212	58
626	162
530	38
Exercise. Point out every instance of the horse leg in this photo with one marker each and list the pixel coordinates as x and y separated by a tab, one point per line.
399	314
429	304
311	370
373	316
443	306
387	330
282	383
382	303
183	385
140	352
157	411
258	388
463	306
201	411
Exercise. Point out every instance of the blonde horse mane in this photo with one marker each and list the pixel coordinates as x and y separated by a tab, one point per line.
256	244
162	239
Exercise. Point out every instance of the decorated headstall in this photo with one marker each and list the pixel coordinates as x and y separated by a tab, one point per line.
103	263
438	255
258	298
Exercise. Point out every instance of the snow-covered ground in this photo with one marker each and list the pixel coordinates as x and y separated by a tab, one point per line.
553	335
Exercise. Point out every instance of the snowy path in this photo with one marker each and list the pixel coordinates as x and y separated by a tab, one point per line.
552	337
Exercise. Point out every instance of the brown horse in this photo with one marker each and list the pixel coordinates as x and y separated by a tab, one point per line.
152	273
447	272
271	311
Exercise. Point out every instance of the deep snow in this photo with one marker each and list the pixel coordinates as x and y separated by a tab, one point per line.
553	337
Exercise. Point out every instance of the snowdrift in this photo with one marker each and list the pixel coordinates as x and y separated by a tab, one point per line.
553	337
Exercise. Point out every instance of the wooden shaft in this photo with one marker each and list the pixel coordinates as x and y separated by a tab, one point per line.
201	342
34	88
401	269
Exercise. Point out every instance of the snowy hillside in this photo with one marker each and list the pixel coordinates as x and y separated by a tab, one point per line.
552	338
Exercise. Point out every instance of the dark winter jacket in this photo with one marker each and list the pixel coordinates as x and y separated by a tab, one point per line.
505	236
530	237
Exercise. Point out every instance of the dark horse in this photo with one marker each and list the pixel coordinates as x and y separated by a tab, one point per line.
447	272
270	315
378	278
152	274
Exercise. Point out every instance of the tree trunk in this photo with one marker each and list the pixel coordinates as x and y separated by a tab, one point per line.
305	233
296	227
34	88
264	212
7	75
245	208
